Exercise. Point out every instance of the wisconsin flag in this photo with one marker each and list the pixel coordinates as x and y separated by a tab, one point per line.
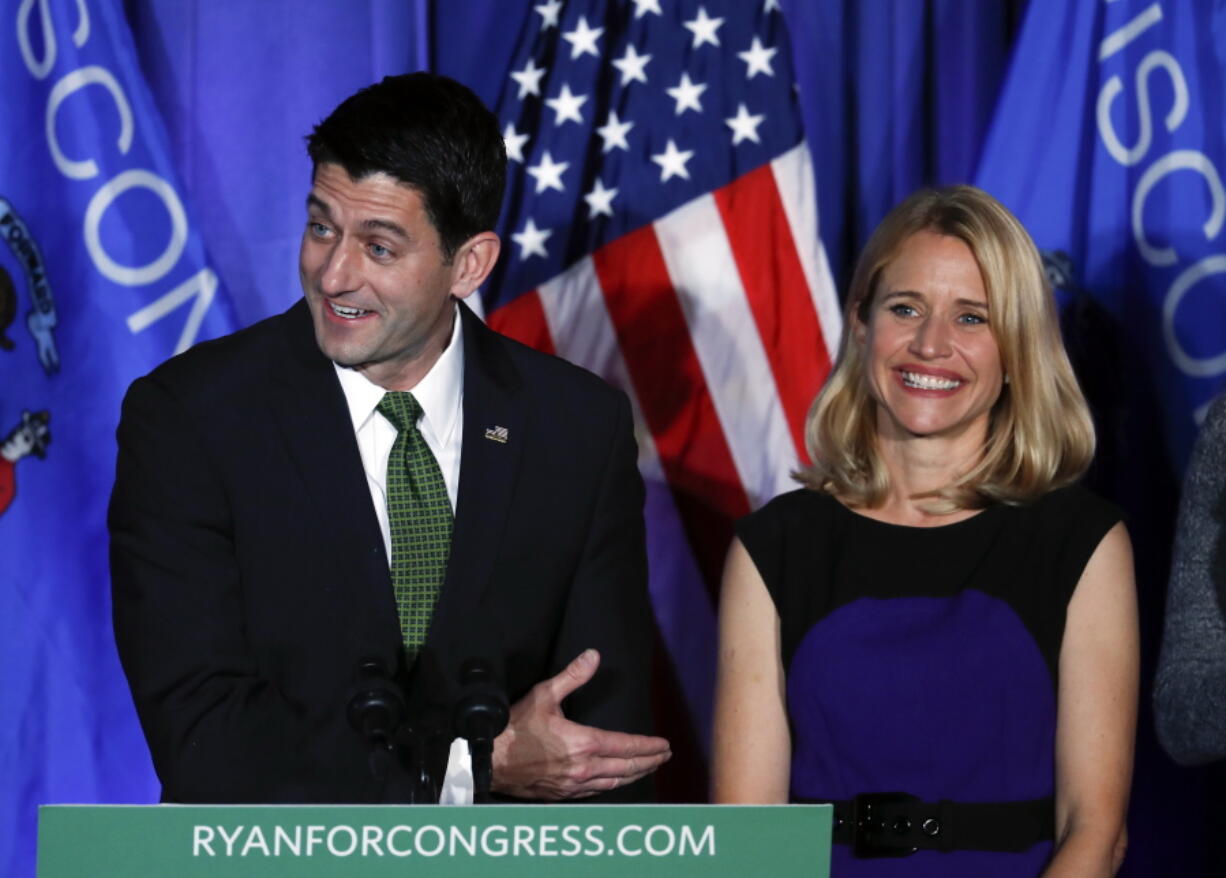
1110	145
102	276
662	231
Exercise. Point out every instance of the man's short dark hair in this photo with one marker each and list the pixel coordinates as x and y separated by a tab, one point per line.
431	133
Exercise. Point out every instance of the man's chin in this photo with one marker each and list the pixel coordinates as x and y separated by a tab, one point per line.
342	353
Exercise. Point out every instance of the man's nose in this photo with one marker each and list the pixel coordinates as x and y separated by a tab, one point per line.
339	273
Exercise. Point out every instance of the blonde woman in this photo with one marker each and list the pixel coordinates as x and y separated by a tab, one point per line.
938	632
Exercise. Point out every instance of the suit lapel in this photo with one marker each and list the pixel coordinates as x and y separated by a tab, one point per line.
489	461
309	406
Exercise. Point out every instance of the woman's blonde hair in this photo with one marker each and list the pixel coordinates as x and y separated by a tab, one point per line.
1040	436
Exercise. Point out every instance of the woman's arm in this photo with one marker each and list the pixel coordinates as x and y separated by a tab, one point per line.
1097	714
752	748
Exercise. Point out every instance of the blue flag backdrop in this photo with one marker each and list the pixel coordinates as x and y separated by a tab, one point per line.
103	275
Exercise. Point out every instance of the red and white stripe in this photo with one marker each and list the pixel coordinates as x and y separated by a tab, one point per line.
719	321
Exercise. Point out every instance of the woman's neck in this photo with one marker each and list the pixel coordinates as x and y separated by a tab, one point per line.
921	465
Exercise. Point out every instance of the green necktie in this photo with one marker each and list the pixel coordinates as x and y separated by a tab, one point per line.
419	515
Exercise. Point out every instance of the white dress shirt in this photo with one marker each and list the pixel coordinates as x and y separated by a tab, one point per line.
441	397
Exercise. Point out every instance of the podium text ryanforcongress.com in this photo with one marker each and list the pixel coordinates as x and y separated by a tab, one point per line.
429	840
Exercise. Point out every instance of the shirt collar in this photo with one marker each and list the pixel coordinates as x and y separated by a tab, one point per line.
440	393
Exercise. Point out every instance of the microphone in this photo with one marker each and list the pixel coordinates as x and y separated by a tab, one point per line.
480	714
376	710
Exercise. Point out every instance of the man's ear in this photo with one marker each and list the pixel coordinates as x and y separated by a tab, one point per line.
473	262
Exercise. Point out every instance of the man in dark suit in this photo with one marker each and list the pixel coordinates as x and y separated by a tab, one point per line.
258	505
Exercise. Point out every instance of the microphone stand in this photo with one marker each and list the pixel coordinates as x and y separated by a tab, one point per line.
479	716
377	711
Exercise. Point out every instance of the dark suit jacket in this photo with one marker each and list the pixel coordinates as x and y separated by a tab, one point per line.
250	577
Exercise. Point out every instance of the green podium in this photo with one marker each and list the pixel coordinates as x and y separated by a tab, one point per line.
354	841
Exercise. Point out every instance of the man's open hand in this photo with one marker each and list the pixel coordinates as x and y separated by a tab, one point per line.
543	755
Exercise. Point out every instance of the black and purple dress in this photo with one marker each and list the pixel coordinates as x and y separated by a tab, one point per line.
924	659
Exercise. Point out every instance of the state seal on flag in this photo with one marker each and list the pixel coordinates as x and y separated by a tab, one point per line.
32	434
41	319
30	437
8	308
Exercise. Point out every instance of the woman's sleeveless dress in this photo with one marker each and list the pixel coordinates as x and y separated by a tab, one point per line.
924	660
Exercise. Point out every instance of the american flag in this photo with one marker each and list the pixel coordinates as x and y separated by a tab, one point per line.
661	229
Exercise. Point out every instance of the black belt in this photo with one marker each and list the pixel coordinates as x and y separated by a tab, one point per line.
898	824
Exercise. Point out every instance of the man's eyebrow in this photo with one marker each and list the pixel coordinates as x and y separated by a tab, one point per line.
375	223
385	225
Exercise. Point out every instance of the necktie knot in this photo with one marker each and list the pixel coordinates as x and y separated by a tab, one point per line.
401	408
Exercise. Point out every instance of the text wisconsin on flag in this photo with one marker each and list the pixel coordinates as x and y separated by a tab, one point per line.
661	230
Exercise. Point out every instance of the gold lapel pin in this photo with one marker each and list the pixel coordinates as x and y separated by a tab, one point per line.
496	434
